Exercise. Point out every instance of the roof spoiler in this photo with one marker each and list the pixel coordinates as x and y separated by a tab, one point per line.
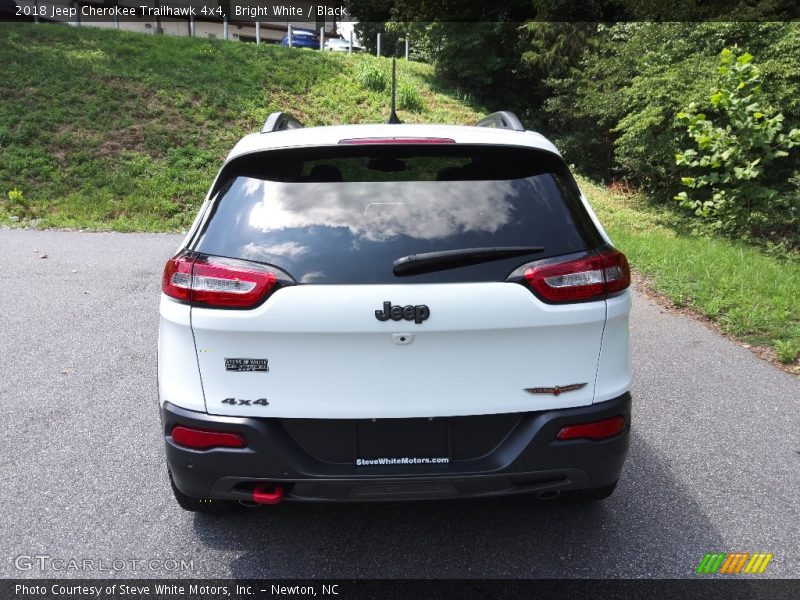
280	121
501	120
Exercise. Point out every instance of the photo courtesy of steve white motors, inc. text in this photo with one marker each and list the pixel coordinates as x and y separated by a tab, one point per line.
195	590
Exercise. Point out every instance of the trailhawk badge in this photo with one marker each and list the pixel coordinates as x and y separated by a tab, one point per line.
557	390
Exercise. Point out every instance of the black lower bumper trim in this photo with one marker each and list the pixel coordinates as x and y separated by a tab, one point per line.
528	460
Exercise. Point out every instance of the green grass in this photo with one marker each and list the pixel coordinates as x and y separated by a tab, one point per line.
752	296
110	130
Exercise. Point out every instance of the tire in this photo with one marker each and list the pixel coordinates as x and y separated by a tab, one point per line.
201	505
590	495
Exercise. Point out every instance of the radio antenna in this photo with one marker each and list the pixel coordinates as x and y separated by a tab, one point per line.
393	120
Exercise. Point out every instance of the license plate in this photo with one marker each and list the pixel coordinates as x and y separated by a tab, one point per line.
399	442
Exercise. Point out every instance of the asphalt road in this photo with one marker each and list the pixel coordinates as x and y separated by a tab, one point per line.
714	462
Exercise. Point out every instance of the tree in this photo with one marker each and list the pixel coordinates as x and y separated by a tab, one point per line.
372	17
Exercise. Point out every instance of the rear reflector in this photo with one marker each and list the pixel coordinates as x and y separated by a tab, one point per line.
597	430
218	282
200	439
398	140
592	277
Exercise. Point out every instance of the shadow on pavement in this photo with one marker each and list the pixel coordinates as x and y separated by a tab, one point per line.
651	527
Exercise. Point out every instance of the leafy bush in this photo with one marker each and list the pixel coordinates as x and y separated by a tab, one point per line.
734	152
17	203
372	77
408	98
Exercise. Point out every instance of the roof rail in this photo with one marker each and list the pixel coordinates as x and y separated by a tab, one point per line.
280	121
501	120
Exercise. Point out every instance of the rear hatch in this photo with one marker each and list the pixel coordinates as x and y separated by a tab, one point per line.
402	284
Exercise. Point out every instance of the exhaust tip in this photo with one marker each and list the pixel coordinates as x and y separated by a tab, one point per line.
549	495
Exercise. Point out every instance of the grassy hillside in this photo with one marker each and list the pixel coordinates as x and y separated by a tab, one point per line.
104	129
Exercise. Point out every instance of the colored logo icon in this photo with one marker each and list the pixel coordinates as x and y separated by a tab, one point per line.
734	563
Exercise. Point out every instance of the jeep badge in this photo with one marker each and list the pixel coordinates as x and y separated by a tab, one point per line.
418	313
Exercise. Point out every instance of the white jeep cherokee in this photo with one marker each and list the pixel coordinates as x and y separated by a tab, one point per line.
384	312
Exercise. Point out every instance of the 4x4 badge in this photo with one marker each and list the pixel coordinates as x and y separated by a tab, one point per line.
557	390
417	313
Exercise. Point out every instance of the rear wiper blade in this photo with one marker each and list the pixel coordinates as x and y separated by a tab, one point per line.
449	259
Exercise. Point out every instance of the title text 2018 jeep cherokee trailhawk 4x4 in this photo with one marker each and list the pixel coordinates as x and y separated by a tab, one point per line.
374	312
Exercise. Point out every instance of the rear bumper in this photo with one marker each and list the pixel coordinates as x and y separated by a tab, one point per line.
527	459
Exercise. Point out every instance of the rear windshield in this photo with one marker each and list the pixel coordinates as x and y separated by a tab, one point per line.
343	215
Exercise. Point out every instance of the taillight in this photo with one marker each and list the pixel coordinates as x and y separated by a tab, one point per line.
597	430
593	277
202	439
219	282
230	285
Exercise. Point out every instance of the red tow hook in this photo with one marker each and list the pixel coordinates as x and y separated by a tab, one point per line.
268	493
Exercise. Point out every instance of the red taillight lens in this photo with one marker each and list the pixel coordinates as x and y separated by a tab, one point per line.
617	271
177	279
201	439
585	278
597	430
217	282
397	140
